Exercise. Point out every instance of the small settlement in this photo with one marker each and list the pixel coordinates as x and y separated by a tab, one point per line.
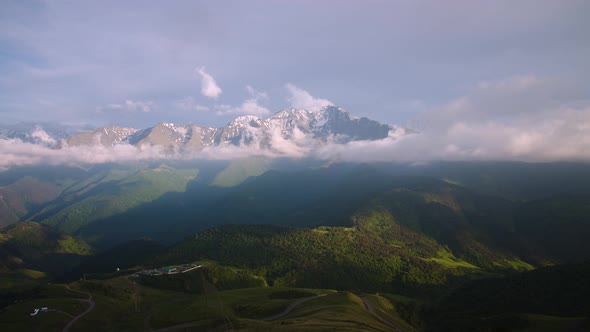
174	269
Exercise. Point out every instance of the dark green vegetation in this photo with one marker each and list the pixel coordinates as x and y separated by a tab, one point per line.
36	246
125	304
550	292
455	239
327	257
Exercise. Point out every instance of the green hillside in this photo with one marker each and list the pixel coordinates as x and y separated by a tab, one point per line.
33	245
118	193
121	305
32	254
375	255
555	296
25	190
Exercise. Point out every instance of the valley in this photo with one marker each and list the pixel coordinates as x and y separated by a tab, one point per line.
304	166
392	249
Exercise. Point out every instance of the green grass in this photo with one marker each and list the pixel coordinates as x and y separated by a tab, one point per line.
258	302
387	311
340	311
448	260
515	264
62	304
17	318
238	309
31	274
16	283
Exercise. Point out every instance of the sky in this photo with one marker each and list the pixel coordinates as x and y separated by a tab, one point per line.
492	79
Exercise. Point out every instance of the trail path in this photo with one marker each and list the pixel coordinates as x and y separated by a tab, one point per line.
91	306
291	307
285	312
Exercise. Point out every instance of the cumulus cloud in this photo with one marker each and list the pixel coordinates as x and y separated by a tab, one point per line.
299	98
248	107
209	87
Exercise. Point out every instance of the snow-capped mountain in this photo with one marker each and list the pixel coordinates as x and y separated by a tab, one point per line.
329	124
47	134
106	136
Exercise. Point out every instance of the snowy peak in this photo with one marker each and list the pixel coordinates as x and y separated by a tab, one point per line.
106	136
45	134
329	124
163	133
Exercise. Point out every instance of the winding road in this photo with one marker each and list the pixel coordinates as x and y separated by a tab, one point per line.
91	305
291	307
285	312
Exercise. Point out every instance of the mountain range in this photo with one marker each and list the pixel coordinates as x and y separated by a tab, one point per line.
299	126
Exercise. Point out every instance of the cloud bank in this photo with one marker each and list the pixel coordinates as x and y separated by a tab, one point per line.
522	118
519	118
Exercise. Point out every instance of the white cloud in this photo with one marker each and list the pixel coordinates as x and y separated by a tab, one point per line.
189	104
144	106
43	137
255	94
470	127
130	105
15	152
209	87
300	98
248	107
520	118
298	145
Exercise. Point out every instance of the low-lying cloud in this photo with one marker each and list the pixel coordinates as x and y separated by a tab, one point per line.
521	118
563	136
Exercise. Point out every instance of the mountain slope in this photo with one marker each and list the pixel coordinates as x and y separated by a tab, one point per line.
334	257
123	192
554	291
39	247
330	124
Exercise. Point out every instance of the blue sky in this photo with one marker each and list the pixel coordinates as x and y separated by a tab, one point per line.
136	63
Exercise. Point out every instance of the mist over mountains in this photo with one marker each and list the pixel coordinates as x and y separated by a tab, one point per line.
292	133
329	124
